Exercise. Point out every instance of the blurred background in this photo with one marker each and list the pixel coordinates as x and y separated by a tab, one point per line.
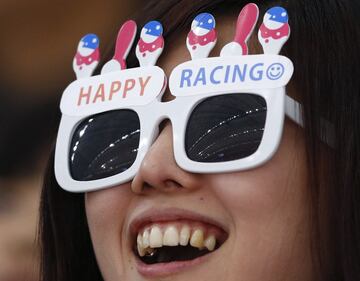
38	42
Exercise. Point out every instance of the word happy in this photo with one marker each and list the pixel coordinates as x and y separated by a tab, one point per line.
107	92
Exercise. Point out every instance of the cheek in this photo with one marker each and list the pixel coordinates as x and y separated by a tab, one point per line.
103	207
262	191
269	210
106	217
277	187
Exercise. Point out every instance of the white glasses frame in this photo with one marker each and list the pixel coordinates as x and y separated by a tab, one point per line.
178	111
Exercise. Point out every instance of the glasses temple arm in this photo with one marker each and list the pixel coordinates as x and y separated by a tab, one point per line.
293	110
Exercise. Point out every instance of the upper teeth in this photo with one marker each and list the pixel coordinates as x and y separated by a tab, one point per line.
171	235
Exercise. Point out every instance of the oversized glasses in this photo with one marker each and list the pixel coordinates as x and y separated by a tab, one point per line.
227	116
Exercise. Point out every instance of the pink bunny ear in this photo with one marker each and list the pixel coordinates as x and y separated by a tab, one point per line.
124	41
245	25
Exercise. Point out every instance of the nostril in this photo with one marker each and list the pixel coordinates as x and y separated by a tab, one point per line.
172	184
146	186
167	185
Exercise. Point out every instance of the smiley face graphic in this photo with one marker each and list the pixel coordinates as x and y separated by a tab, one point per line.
275	71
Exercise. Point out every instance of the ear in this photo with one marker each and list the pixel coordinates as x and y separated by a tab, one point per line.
124	41
245	25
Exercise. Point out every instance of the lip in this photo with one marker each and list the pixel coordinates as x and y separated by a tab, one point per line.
155	215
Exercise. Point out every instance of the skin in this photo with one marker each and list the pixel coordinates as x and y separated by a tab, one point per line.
264	210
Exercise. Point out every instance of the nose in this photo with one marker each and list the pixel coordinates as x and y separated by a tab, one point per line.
159	171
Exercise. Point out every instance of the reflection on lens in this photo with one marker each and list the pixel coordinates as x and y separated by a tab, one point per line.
104	145
225	128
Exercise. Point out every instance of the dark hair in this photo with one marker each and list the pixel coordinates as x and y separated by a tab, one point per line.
324	47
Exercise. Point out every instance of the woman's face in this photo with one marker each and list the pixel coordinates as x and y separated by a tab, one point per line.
258	218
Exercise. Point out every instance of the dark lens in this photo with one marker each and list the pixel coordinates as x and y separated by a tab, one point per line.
104	145
224	128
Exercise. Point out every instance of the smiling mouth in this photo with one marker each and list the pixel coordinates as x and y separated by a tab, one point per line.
176	241
166	246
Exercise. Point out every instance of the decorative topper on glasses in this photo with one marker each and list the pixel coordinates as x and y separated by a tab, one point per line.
227	73
227	115
116	84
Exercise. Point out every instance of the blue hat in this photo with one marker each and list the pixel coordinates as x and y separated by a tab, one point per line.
206	21
154	28
278	14
90	41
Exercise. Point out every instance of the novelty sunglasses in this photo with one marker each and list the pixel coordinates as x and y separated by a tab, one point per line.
228	114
